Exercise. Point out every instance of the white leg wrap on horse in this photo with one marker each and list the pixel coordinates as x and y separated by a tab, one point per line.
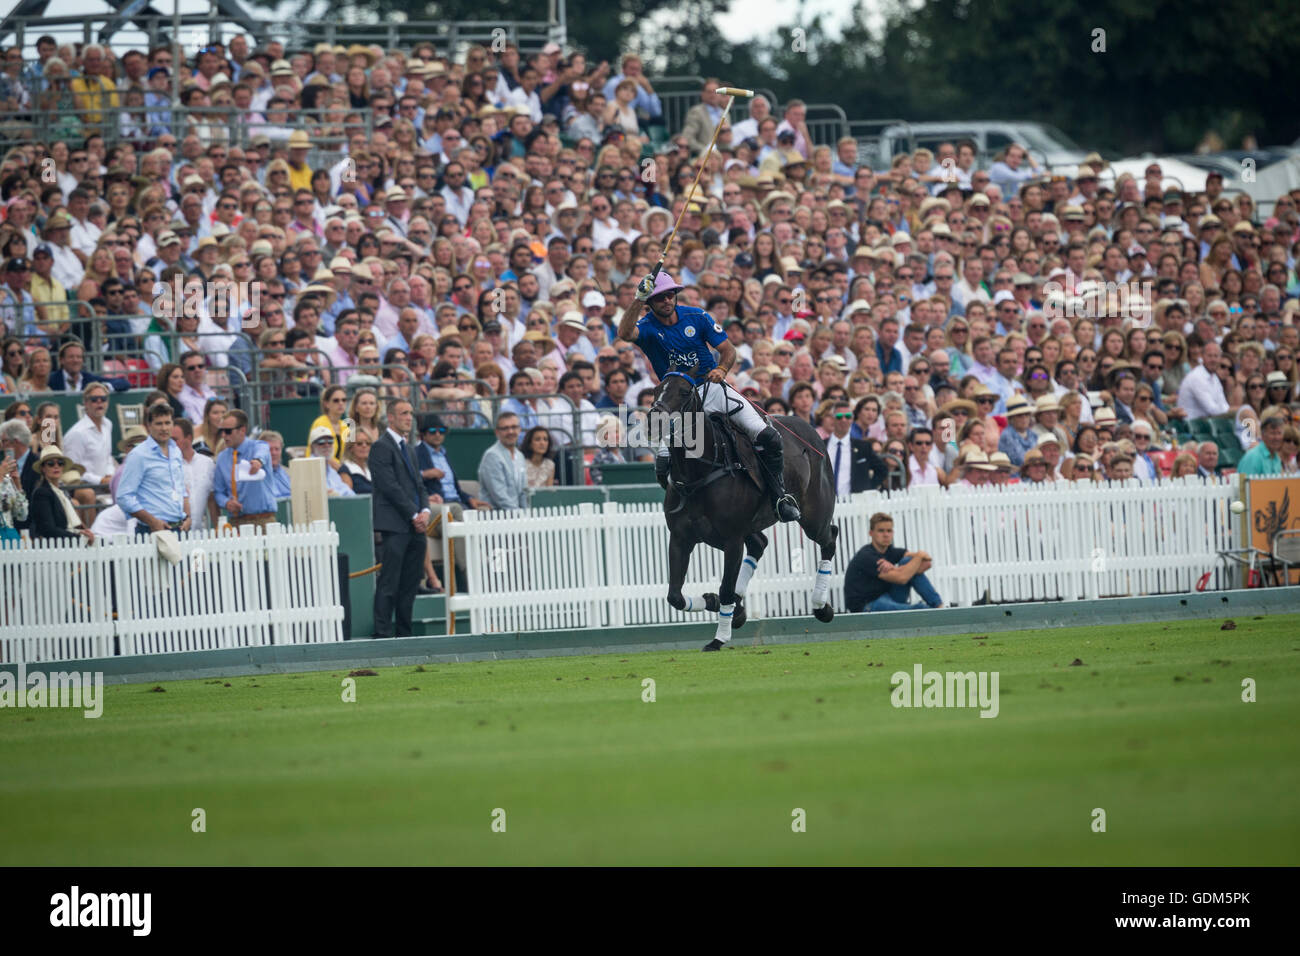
724	622
823	586
690	604
747	569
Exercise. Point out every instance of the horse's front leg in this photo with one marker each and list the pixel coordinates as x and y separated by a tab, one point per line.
732	556
679	559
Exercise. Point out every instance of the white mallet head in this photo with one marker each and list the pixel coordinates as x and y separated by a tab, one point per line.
733	91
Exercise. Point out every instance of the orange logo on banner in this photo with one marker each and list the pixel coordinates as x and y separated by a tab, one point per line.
1274	507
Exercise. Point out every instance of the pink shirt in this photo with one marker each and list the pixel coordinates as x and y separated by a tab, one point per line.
339	358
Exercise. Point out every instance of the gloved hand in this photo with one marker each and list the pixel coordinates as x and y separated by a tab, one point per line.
645	288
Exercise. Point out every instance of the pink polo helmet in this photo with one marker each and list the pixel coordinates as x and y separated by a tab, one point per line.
665	283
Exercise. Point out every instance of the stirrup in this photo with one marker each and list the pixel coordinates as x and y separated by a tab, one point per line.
791	506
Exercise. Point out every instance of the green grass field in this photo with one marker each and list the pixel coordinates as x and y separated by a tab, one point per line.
1150	727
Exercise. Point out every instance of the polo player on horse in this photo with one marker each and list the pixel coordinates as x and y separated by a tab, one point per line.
676	336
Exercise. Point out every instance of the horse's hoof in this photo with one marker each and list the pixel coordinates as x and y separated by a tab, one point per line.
823	614
714	645
739	617
711	604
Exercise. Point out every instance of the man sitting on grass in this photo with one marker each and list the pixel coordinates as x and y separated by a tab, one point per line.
881	577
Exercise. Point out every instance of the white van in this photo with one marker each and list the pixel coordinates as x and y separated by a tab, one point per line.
1051	148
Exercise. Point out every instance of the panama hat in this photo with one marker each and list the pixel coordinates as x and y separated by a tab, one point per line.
1018	405
132	436
357	49
52	453
964	404
977	459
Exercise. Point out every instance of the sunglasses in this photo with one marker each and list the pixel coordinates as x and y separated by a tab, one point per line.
227	431
436	431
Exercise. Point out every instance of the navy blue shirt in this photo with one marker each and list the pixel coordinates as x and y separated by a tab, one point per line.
683	344
862	582
891	363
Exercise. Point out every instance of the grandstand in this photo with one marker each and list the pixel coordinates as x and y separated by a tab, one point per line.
473	202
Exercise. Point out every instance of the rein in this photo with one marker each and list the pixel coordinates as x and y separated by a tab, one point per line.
716	462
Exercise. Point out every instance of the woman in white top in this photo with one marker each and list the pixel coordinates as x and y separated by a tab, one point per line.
356	463
619	111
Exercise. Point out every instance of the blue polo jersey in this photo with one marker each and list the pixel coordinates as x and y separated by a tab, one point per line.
682	344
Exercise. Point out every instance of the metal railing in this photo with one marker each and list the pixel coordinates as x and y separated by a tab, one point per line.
216	25
826	130
677	94
449	38
869	133
102	27
144	124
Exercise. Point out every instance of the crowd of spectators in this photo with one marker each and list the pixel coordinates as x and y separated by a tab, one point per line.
371	224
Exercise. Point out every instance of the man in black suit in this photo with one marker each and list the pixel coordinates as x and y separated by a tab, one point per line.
855	466
69	377
402	517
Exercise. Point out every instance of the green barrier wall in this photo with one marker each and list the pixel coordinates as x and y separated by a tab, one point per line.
564	495
69	401
465	447
292	418
561	495
631	473
354	523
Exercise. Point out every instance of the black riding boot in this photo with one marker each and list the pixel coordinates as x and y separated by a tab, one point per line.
661	470
770	452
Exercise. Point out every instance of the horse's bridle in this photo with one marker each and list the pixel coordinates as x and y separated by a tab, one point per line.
657	405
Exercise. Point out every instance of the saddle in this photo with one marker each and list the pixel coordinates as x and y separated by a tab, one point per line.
736	449
733	453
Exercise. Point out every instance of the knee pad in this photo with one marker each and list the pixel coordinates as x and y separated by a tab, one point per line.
769	437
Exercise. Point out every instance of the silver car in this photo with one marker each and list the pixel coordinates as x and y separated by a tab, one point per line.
1049	147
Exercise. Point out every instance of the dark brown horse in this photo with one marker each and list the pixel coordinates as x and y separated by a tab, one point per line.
720	499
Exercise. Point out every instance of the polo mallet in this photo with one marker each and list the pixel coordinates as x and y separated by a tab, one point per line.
731	93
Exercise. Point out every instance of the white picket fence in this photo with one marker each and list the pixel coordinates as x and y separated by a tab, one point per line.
62	600
601	567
